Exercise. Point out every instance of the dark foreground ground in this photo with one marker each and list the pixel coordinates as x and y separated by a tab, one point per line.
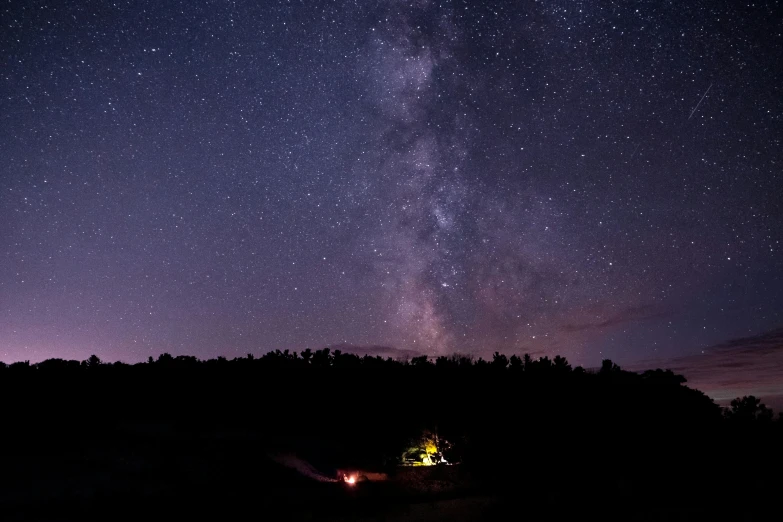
156	472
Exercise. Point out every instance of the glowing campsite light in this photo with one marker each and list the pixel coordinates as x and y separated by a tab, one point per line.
350	479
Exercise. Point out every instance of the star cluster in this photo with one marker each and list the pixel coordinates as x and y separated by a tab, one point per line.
594	179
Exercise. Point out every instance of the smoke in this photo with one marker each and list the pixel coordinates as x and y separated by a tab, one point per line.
303	467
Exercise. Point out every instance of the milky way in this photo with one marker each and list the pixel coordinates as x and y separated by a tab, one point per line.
593	179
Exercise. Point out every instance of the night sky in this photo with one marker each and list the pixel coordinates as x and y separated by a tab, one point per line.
593	179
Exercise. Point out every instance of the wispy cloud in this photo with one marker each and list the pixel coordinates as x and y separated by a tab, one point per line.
627	315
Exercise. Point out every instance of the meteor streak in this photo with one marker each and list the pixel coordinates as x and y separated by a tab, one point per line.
702	99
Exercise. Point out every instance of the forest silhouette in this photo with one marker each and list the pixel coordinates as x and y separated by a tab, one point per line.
546	437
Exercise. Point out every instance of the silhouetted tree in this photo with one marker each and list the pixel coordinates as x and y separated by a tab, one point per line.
499	361
561	364
420	362
20	367
748	409
543	364
322	358
608	367
93	361
528	361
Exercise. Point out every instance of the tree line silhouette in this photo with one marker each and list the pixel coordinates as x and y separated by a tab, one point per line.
661	382
513	422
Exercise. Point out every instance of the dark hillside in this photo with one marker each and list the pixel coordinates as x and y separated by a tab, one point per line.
82	438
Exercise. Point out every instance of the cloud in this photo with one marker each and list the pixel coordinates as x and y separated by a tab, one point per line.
745	366
373	351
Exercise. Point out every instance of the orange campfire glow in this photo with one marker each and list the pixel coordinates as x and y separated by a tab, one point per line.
349	479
